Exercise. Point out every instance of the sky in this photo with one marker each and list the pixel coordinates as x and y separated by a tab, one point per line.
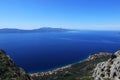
70	14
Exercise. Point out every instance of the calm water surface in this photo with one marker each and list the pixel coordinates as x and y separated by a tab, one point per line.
44	51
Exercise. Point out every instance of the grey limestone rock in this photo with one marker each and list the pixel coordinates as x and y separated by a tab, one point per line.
108	70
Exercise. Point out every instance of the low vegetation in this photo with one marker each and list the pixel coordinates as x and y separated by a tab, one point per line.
9	71
78	71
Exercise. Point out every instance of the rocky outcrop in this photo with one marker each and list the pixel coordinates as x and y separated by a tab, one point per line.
108	70
98	55
8	69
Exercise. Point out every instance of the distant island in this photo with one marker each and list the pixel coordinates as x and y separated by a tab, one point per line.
44	29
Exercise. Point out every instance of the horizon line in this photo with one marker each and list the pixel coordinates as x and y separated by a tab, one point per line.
64	28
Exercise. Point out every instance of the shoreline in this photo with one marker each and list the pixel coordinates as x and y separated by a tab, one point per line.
50	72
55	70
58	69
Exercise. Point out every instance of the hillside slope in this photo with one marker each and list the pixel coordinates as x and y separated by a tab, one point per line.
79	71
9	71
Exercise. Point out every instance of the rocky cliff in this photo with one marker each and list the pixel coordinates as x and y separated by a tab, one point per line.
108	70
9	71
98	55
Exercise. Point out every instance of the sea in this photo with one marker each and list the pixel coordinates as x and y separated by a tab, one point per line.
39	52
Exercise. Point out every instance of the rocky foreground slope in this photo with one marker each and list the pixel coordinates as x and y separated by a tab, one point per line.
9	71
108	70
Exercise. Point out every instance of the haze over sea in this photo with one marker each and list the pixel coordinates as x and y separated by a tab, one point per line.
43	51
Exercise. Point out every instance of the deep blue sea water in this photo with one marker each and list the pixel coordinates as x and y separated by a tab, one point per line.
44	51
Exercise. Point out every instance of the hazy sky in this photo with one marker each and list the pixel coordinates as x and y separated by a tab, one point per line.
76	14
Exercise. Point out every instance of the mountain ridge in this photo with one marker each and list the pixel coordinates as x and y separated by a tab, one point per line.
44	29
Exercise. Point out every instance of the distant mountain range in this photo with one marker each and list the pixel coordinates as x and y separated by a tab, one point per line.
45	29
